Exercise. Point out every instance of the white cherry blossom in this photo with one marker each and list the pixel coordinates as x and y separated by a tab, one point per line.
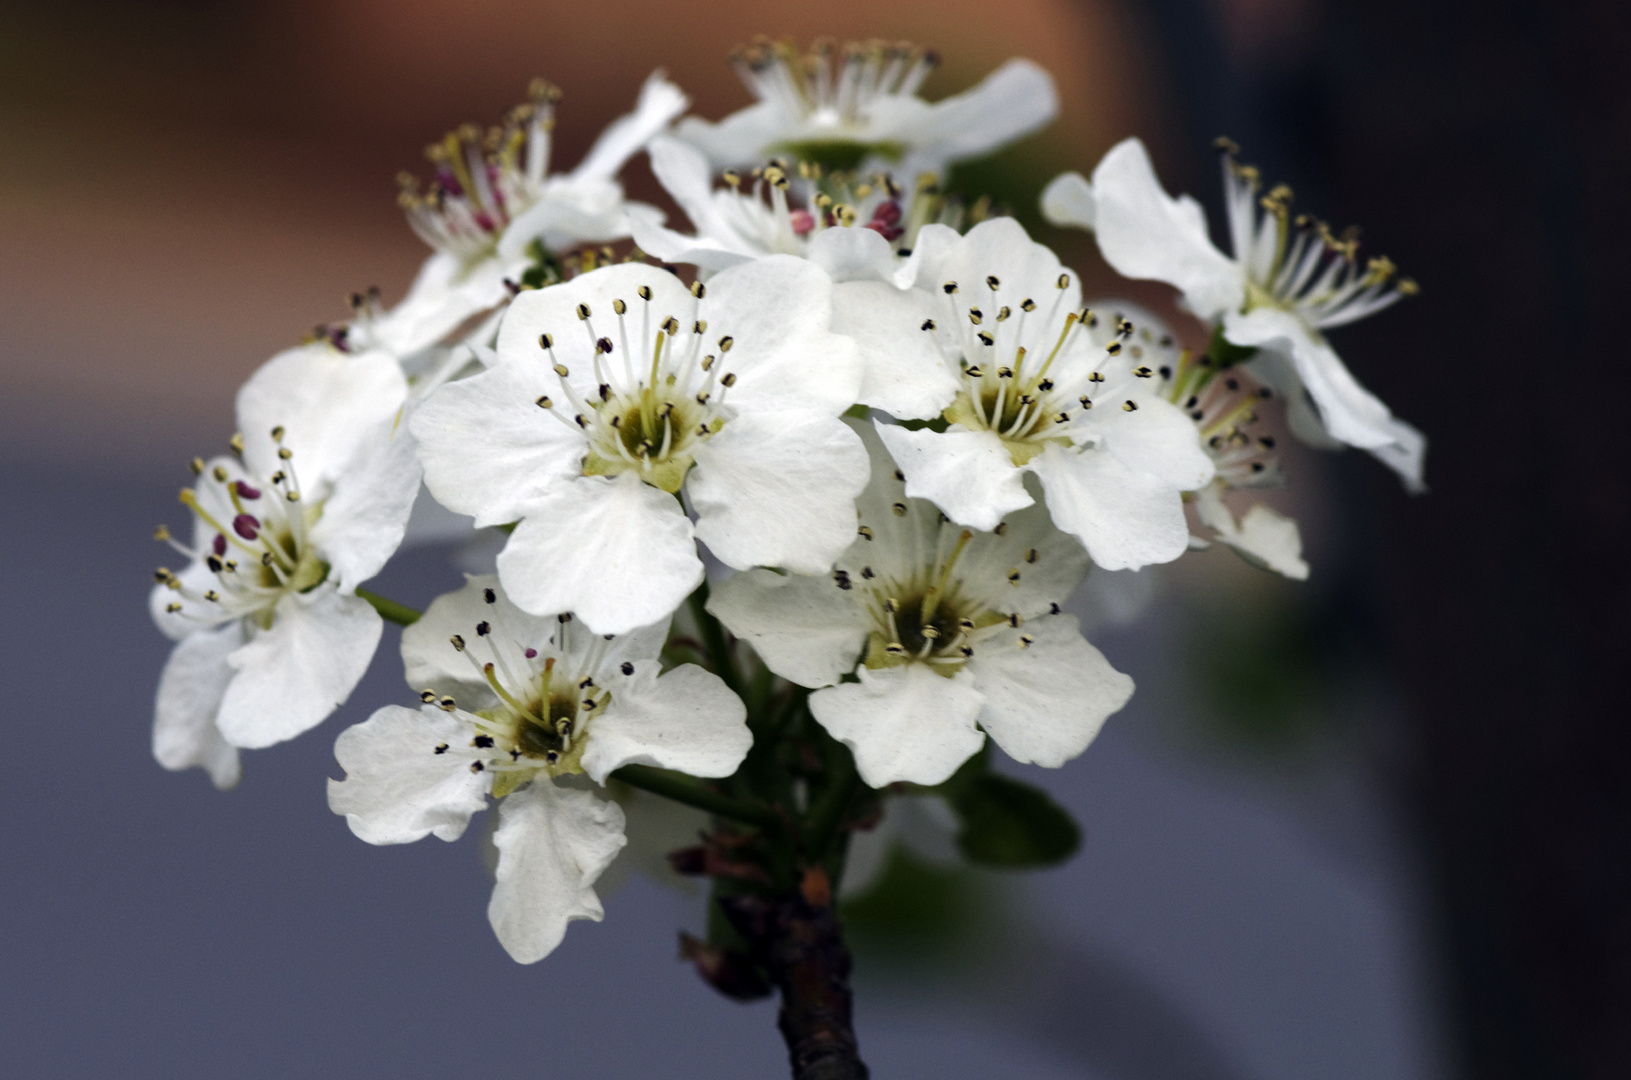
523	708
1289	281
271	637
957	635
857	105
853	238
1045	386
493	200
617	390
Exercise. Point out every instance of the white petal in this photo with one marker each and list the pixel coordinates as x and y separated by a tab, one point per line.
1125	519
1263	537
1068	200
1045	703
326	401
1156	438
1008	104
443	295
673	247
364	521
1001	246
431	662
805	629
968	474
553	842
742	138
190	690
397	788
616	552
1145	233
1350	413
925	268
905	724
779	310
904	373
1027	569
660	102
291	677
686	719
779	490
571	211
853	254
487	448
1405	455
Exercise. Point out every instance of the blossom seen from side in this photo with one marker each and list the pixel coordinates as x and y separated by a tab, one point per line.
614	392
1289	280
1045	386
529	710
270	636
856	106
953	634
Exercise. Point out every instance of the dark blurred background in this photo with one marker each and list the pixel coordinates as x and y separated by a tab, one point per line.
1375	825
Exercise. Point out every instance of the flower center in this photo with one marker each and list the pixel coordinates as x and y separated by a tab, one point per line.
1019	378
258	554
660	392
835	88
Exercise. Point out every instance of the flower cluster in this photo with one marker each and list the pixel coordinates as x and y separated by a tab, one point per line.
791	520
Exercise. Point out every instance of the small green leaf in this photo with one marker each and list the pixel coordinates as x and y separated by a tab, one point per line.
1008	823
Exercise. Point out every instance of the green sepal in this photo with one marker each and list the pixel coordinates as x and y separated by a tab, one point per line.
1225	353
1006	822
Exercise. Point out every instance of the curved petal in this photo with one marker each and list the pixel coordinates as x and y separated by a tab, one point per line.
194	681
326	401
1125	519
903	370
1044	703
553	842
779	490
1157	438
742	138
444	294
905	724
659	103
853	254
430	660
1263	538
684	172
1068	201
364	521
291	677
805	629
1405	455
686	719
1145	233
703	252
397	787
487	448
1008	104
1002	247
1031	567
1350	413
616	552
968	474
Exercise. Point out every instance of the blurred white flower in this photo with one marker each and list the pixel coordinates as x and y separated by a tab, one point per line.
493	200
1289	280
1045	386
954	632
608	390
856	106
516	706
271	638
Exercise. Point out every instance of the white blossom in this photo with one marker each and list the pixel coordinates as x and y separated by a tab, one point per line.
858	105
617	390
518	707
1289	280
493	199
271	636
1045	386
957	635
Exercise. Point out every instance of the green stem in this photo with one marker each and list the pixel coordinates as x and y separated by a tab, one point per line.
390	610
713	639
822	823
693	792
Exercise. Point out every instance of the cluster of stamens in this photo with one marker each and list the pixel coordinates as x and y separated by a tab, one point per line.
1296	262
257	556
831	83
655	401
544	711
1014	380
482	180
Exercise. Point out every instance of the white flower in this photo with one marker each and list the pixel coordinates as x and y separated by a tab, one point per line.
853	239
861	107
608	389
493	199
271	636
517	706
1045	387
1226	407
952	629
1289	280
